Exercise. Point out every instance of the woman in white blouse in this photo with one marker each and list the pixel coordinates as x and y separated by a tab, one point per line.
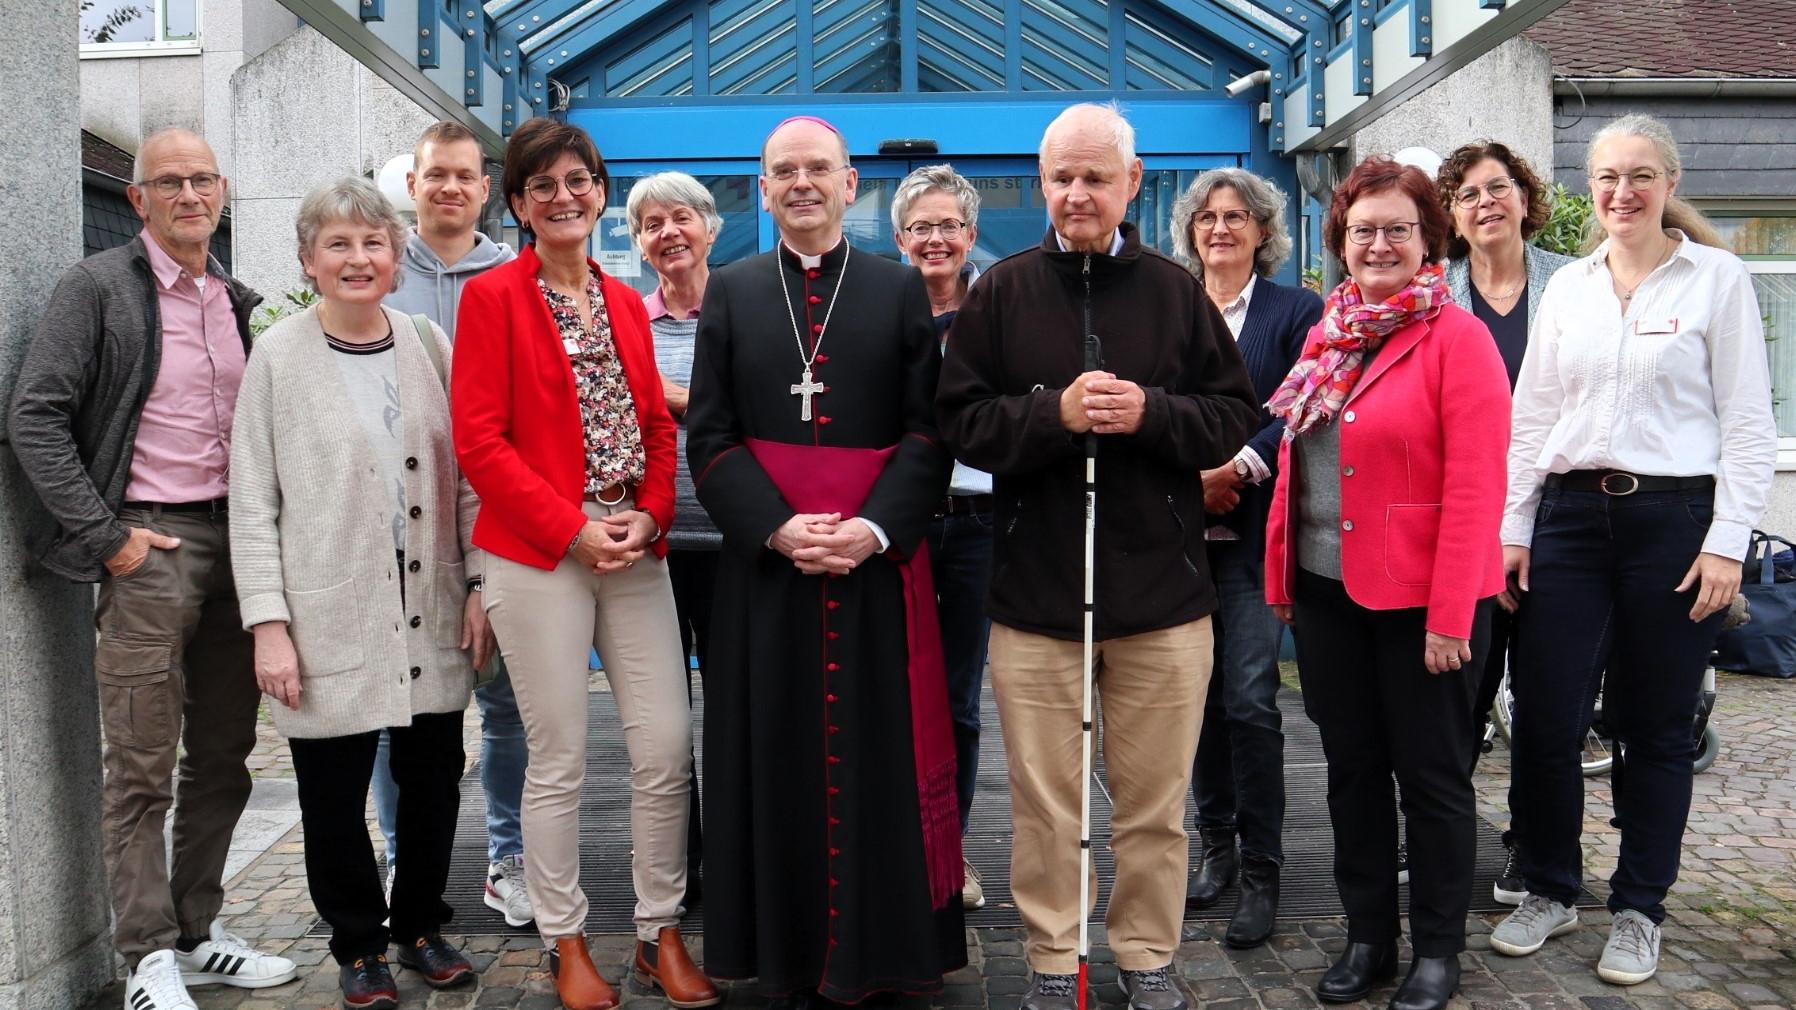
1641	458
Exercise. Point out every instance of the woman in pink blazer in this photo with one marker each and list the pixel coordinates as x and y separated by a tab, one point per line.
1382	552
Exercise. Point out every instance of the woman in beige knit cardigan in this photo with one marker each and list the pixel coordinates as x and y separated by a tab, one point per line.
349	537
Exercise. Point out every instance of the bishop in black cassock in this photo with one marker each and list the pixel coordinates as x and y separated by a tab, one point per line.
822	843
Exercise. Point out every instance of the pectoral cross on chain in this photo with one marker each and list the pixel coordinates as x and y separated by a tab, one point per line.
804	390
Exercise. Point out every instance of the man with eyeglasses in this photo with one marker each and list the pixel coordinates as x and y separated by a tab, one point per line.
829	754
1168	398
121	420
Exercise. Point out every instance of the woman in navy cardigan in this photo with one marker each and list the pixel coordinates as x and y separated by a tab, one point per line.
1229	228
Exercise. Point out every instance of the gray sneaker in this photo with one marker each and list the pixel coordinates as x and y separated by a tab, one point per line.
1632	954
1152	990
1529	926
1051	992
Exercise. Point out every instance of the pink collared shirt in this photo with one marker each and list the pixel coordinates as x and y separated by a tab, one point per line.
658	307
183	448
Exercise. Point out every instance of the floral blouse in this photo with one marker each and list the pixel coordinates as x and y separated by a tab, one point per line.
614	453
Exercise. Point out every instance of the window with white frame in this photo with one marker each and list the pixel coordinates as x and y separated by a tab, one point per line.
138	27
1765	237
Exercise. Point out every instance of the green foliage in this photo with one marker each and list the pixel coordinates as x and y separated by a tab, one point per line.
268	313
1312	279
1568	223
113	23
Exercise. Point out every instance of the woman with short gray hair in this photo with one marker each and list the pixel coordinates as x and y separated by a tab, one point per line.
935	218
350	542
674	223
1229	228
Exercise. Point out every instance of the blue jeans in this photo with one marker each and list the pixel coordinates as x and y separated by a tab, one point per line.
960	562
1239	775
1600	596
503	760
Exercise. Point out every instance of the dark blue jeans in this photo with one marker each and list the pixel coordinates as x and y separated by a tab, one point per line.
1601	578
1239	775
960	561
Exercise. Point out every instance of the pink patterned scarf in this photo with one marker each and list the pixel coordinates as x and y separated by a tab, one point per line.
1329	368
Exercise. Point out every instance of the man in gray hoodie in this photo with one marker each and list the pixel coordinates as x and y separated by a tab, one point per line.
448	184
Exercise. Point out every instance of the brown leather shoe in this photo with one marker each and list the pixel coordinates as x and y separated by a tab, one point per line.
577	982
666	966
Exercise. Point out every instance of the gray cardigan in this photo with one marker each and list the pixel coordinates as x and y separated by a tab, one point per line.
311	535
80	393
1541	266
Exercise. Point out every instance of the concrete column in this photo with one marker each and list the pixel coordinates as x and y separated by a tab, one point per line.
55	945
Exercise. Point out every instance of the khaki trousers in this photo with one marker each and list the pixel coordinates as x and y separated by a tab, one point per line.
545	623
1150	690
176	678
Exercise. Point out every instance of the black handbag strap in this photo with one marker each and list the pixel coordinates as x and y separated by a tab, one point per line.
1763	552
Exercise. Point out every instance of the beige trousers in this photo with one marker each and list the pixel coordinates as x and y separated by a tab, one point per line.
1150	690
545	623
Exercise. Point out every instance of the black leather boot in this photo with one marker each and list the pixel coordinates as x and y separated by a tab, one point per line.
1431	982
1215	869
1356	971
1258	908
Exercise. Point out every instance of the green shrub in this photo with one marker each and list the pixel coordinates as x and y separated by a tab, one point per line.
1568	224
268	313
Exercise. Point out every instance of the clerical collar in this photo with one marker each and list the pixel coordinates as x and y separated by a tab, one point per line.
831	258
1116	243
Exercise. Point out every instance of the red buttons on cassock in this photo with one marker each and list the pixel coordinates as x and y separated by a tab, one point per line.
834	760
834	791
833	882
835	729
816	327
813	273
821	419
815	299
834	852
832	604
833	635
833	913
821	358
830	698
833	821
832	667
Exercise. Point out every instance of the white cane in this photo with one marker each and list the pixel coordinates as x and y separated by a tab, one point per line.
1093	359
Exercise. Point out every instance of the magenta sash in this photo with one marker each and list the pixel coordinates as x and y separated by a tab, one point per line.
831	479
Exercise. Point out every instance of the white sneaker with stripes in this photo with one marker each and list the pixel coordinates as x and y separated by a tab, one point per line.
226	960
156	984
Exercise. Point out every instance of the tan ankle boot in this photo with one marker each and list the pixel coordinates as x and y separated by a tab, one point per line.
576	980
673	972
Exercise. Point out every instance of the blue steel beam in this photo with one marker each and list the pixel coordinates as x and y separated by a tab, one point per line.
1421	28
430	42
1359	31
373	10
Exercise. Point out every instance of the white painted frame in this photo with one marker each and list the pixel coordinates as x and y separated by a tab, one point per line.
129	50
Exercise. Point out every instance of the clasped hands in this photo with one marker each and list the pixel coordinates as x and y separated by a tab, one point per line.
823	543
1102	403
615	542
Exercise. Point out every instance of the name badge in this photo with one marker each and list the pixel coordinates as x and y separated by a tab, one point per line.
1654	327
571	346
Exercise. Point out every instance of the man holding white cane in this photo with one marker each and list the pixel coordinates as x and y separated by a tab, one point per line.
1169	398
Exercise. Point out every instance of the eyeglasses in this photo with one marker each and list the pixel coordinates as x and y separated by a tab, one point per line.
169	186
542	189
1496	189
790	174
1233	220
1642	178
1397	232
950	229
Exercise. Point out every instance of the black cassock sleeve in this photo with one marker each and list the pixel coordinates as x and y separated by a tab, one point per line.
904	499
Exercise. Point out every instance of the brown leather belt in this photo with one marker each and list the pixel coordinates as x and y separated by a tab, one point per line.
613	495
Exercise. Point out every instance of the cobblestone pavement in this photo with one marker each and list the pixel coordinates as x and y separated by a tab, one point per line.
1730	941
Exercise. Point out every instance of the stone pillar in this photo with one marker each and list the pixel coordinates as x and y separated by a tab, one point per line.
55	944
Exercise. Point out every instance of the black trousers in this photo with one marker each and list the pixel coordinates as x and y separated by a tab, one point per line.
1382	713
333	774
694	577
1602	574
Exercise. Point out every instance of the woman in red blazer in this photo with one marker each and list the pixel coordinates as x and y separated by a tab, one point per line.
1382	552
562	429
